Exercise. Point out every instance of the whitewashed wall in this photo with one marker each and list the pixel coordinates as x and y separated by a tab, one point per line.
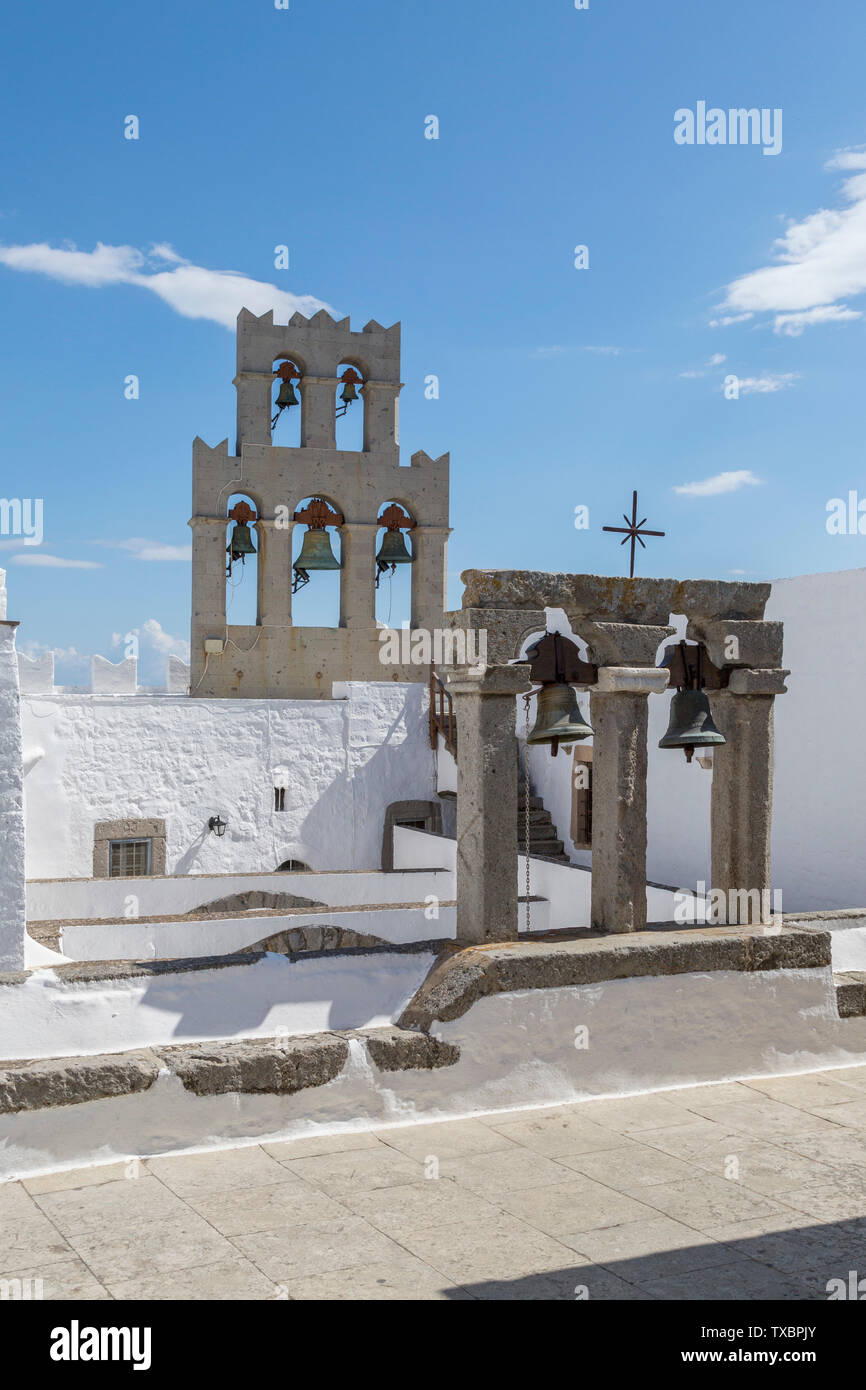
98	757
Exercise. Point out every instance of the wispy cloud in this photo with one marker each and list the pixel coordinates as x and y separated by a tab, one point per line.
191	290
554	351
719	483
558	349
717	359
144	549
57	562
819	262
766	384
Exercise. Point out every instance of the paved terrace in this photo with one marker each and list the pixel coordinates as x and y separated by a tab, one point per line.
752	1190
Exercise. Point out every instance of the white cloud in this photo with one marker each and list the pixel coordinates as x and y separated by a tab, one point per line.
191	290
554	351
719	483
766	384
691	376
728	319
38	557
604	351
144	549
152	634
792	325
820	262
717	359
71	655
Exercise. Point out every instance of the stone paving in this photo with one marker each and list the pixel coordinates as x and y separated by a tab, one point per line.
752	1190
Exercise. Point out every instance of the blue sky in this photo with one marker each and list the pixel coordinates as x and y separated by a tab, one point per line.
559	387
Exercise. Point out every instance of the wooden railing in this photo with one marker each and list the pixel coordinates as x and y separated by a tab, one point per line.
442	719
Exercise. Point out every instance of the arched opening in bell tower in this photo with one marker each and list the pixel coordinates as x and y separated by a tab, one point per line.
243	544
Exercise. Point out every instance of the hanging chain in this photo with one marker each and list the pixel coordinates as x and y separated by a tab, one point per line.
526	700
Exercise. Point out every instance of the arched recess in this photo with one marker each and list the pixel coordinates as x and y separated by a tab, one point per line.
349	407
317	541
395	556
564	782
243	576
287	404
678	793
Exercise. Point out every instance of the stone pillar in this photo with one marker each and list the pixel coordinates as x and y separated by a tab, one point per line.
358	577
484	704
318	412
381	403
618	714
254	407
742	795
275	572
13	915
429	546
209	540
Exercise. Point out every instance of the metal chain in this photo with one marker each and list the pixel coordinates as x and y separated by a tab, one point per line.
526	700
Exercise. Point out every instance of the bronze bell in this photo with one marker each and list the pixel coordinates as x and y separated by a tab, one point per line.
691	724
393	550
286	396
316	554
241	542
558	718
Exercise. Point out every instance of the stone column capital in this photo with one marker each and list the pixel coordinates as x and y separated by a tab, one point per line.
490	680
621	644
630	680
383	386
751	681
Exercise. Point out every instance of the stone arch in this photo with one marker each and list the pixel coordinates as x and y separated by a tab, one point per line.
243	594
395	586
286	424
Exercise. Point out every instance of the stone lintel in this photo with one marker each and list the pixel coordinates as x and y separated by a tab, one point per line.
751	682
757	644
604	598
631	680
621	644
459	979
490	680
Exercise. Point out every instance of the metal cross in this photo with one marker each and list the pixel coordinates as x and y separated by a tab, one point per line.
633	531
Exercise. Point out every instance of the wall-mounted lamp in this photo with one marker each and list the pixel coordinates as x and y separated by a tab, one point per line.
217	825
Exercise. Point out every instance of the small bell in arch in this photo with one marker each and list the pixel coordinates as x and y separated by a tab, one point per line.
558	718
393	550
350	380
691	723
286	396
241	542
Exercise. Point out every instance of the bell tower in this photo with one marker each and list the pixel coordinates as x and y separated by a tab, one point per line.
296	367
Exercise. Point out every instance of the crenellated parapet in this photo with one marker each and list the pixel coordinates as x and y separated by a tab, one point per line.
36	675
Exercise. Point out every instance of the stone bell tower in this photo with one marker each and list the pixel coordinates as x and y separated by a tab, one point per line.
273	658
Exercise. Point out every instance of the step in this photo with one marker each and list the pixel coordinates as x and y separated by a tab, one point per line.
851	993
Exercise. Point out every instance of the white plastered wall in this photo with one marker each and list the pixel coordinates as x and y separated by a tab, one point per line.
102	757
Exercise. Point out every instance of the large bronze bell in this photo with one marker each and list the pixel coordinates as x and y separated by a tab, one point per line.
691	724
316	554
241	542
558	718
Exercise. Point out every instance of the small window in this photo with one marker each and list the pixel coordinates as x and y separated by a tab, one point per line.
128	858
279	798
293	866
411	824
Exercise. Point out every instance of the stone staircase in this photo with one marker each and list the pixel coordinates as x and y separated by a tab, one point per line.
544	841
